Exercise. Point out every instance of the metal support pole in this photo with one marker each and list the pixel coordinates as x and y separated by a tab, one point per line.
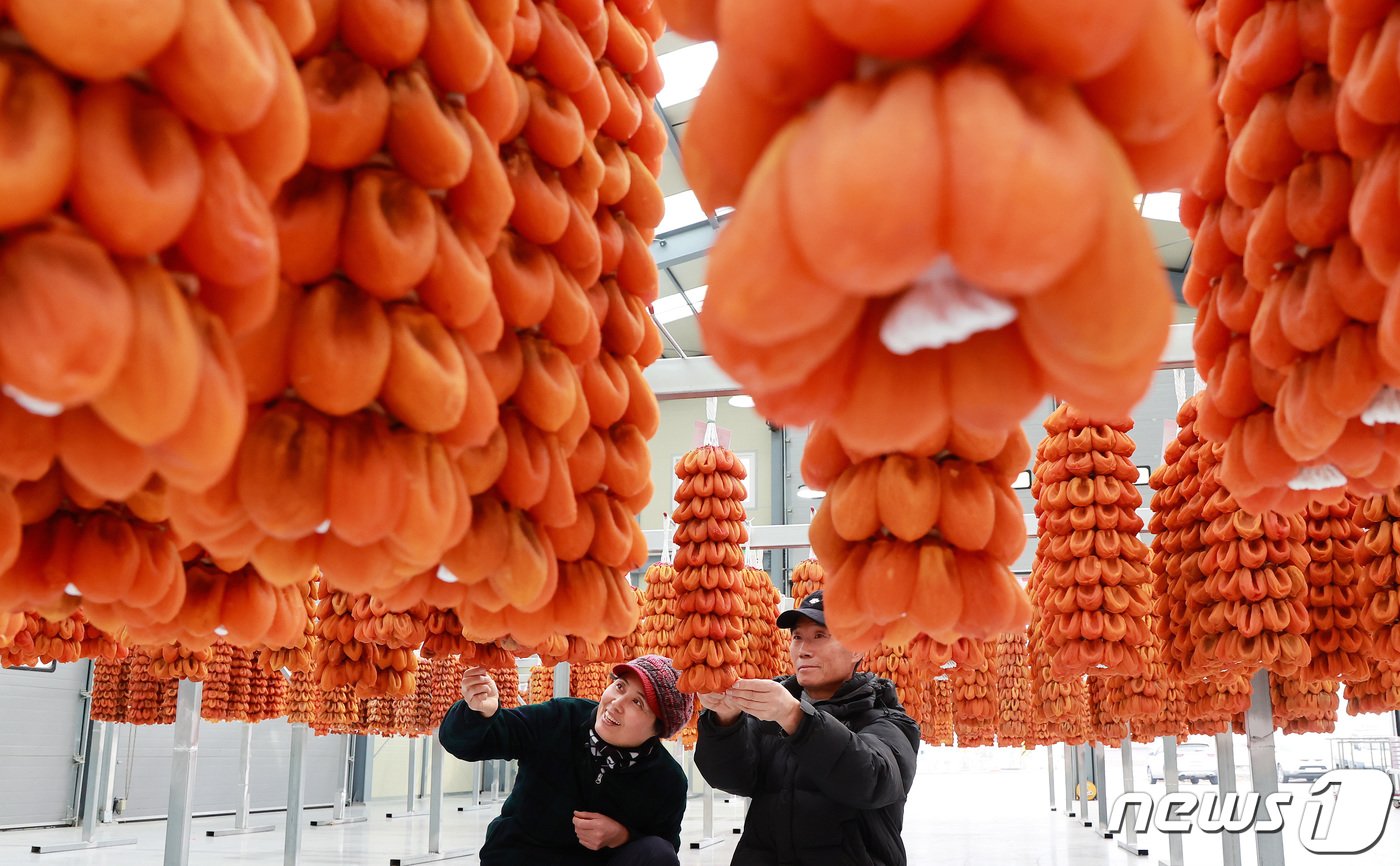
478	772
435	798
1069	780
561	680
296	795
1225	764
106	813
1082	763
410	812
707	821
1263	767
1101	783
240	820
181	811
1050	766
1128	842
1171	777
338	810
435	853
102	740
423	771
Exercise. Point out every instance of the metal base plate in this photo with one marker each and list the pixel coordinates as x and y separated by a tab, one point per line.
332	822
235	831
705	843
79	846
1135	850
414	814
430	858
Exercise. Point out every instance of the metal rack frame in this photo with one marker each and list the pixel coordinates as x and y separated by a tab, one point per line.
296	795
435	853
412	810
186	755
240	820
1172	779
342	797
94	764
1225	767
1128	840
1263	767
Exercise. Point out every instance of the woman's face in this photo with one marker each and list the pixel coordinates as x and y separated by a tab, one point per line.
624	719
821	662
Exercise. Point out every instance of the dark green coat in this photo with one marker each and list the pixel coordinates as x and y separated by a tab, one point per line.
833	793
558	777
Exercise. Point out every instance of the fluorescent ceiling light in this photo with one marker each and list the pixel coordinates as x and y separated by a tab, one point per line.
1165	206
686	71
673	308
805	492
741	401
682	209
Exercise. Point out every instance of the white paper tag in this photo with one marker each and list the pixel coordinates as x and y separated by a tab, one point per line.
940	309
1323	477
1385	409
33	405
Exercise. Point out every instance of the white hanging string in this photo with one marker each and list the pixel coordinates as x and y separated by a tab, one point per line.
711	429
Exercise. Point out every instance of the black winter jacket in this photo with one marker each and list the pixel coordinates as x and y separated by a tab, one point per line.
833	792
558	777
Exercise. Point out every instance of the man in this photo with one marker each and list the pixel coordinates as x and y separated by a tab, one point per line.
828	755
595	785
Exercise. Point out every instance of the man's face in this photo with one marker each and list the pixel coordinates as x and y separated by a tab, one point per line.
624	719
821	662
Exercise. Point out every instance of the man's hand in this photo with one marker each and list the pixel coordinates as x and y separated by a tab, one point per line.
767	700
725	710
480	692
596	832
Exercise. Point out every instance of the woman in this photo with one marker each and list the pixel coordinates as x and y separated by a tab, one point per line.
595	784
828	755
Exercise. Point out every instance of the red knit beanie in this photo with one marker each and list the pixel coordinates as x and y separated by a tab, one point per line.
671	705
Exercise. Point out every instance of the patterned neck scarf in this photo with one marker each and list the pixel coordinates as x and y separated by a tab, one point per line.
610	757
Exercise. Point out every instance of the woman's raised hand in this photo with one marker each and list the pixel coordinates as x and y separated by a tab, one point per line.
480	692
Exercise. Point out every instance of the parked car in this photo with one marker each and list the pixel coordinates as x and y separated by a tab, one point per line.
1194	762
1306	769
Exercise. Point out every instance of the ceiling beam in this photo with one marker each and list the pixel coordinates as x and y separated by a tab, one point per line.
686	378
683	245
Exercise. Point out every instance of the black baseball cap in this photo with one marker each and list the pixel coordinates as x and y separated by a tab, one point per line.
810	608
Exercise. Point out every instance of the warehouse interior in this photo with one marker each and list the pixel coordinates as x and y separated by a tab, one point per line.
416	249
